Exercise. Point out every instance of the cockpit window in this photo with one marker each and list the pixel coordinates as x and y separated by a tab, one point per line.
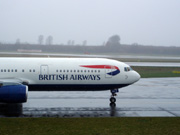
127	69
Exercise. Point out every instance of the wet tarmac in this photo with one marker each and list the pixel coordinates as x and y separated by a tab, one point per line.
159	97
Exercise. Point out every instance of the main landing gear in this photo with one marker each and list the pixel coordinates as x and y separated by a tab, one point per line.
113	99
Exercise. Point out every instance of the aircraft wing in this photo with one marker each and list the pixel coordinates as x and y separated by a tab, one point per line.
12	81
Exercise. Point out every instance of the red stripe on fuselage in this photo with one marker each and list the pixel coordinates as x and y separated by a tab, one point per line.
100	66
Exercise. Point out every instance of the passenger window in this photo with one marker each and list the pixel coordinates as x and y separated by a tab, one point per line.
33	70
4	70
15	70
30	70
8	70
60	71
56	70
23	70
1	70
74	70
12	70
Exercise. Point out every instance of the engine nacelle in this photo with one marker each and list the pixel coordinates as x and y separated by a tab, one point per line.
13	93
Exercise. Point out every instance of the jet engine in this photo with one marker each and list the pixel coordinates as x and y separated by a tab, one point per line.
13	93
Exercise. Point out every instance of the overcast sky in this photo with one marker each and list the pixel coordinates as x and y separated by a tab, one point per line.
148	22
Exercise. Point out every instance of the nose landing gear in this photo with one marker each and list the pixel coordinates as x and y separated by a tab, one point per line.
113	99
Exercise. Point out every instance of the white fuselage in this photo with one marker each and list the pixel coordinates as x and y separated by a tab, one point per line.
67	73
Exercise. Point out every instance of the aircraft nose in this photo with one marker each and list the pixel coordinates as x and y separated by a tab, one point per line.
137	76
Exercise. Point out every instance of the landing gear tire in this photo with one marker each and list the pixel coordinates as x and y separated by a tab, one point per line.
112	99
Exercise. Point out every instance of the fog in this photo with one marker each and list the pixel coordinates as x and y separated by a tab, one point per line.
146	22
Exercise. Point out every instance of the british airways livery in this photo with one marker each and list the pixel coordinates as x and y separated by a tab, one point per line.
20	75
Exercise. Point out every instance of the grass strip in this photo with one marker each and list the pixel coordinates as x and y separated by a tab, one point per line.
90	126
149	72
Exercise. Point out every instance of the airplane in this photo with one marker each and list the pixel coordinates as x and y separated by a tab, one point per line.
20	75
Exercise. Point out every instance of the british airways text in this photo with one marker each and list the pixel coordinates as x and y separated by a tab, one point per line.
69	77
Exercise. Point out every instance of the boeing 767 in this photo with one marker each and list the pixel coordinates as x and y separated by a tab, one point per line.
20	75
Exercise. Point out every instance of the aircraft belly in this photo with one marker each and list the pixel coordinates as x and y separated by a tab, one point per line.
74	87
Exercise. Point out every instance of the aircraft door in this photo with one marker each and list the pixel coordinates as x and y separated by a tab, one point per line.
44	70
108	71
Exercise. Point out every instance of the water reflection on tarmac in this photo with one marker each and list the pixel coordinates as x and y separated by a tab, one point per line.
148	97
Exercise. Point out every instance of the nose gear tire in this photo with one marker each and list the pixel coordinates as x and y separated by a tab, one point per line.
112	100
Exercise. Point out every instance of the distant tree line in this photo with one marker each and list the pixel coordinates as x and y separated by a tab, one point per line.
113	41
122	49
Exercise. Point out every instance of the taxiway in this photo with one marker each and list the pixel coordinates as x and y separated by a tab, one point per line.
159	97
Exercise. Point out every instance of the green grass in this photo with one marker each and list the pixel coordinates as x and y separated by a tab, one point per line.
148	60
148	72
90	126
